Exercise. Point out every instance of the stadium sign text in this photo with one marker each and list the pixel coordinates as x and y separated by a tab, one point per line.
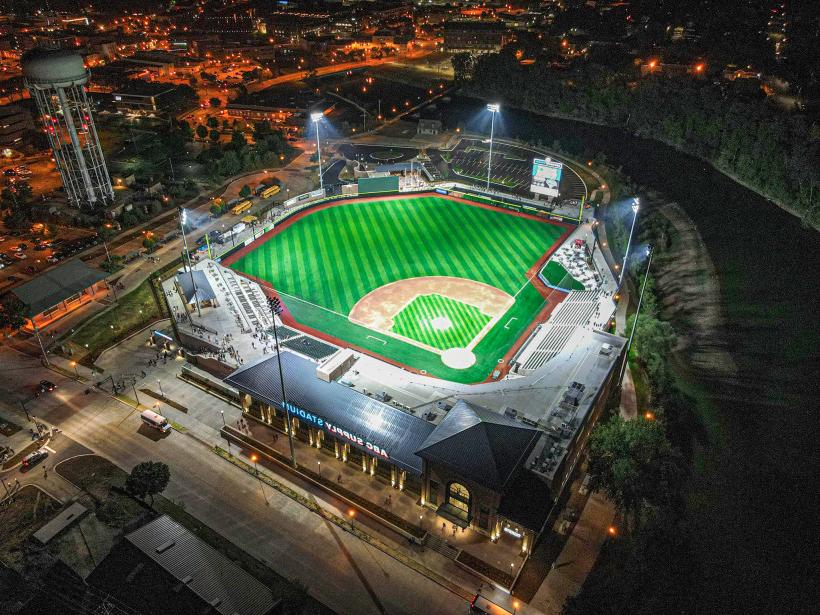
319	422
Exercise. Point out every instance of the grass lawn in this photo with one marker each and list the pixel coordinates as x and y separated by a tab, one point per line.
133	312
559	277
323	263
439	322
27	512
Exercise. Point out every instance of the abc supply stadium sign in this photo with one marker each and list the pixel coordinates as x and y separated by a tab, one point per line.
546	175
318	421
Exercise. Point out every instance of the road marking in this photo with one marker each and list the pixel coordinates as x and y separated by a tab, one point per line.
507	326
50	450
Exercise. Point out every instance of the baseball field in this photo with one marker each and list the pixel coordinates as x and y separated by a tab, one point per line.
410	279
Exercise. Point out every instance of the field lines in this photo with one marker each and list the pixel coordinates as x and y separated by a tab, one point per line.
329	259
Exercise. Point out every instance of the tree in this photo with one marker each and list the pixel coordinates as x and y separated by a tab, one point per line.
215	102
201	132
633	462
12	312
149	243
148	479
214	135
212	122
245	191
238	139
185	131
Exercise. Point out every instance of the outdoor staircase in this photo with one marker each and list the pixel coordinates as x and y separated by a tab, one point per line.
439	545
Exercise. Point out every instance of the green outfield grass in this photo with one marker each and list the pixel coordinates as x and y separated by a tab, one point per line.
323	263
558	276
439	322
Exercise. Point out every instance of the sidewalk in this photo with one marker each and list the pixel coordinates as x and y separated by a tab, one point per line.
578	557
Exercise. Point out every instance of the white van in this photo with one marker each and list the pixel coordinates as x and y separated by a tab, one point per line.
157	421
483	606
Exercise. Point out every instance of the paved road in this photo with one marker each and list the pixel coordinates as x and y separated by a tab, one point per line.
339	569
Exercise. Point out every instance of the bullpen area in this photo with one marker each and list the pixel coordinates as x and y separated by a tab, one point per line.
435	283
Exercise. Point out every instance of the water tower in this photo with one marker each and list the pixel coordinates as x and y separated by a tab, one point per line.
56	79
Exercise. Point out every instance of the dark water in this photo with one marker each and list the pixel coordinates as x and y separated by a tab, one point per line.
756	513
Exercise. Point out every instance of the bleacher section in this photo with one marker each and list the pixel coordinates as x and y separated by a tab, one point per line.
576	310
310	347
246	301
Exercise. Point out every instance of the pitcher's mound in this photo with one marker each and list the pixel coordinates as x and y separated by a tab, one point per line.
458	358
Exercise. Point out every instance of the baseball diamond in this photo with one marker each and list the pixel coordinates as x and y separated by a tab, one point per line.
325	260
440	322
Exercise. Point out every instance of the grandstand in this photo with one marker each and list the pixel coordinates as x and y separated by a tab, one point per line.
579	309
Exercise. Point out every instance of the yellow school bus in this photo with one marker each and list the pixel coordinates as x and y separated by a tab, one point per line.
241	207
270	191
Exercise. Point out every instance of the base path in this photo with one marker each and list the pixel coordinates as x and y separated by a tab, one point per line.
377	308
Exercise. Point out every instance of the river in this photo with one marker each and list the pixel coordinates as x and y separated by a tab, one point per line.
754	497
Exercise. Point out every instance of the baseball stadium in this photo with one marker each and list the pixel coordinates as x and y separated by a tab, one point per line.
434	283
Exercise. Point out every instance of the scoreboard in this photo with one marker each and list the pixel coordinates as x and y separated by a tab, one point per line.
546	176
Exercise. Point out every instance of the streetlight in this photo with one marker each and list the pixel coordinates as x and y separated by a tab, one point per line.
649	250
316	117
255	458
159	382
276	309
635	208
493	108
183	217
76	371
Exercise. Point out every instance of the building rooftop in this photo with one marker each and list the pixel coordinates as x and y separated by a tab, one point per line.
210	575
330	405
55	285
480	444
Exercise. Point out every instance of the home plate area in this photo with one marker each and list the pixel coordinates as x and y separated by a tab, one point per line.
445	315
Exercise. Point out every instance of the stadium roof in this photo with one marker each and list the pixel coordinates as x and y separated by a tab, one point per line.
479	444
209	574
55	285
204	290
398	433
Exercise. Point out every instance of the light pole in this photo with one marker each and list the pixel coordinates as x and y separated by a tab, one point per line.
183	216
635	208
76	371
493	108
649	250
276	309
316	118
255	458
159	382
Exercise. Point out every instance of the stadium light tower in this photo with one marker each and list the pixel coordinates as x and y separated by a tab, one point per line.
183	217
493	108
635	207
316	117
276	309
56	80
649	250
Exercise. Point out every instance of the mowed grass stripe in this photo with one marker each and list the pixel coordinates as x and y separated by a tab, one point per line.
375	247
415	321
467	254
330	253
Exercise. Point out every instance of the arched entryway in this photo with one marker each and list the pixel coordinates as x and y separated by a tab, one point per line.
459	500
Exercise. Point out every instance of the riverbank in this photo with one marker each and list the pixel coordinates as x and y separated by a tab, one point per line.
712	163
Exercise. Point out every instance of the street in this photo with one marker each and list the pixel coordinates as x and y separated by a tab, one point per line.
338	568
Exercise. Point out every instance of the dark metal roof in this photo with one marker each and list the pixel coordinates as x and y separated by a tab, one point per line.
480	445
398	433
204	291
205	571
55	285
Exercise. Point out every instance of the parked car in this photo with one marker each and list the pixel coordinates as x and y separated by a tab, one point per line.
9	172
20	255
